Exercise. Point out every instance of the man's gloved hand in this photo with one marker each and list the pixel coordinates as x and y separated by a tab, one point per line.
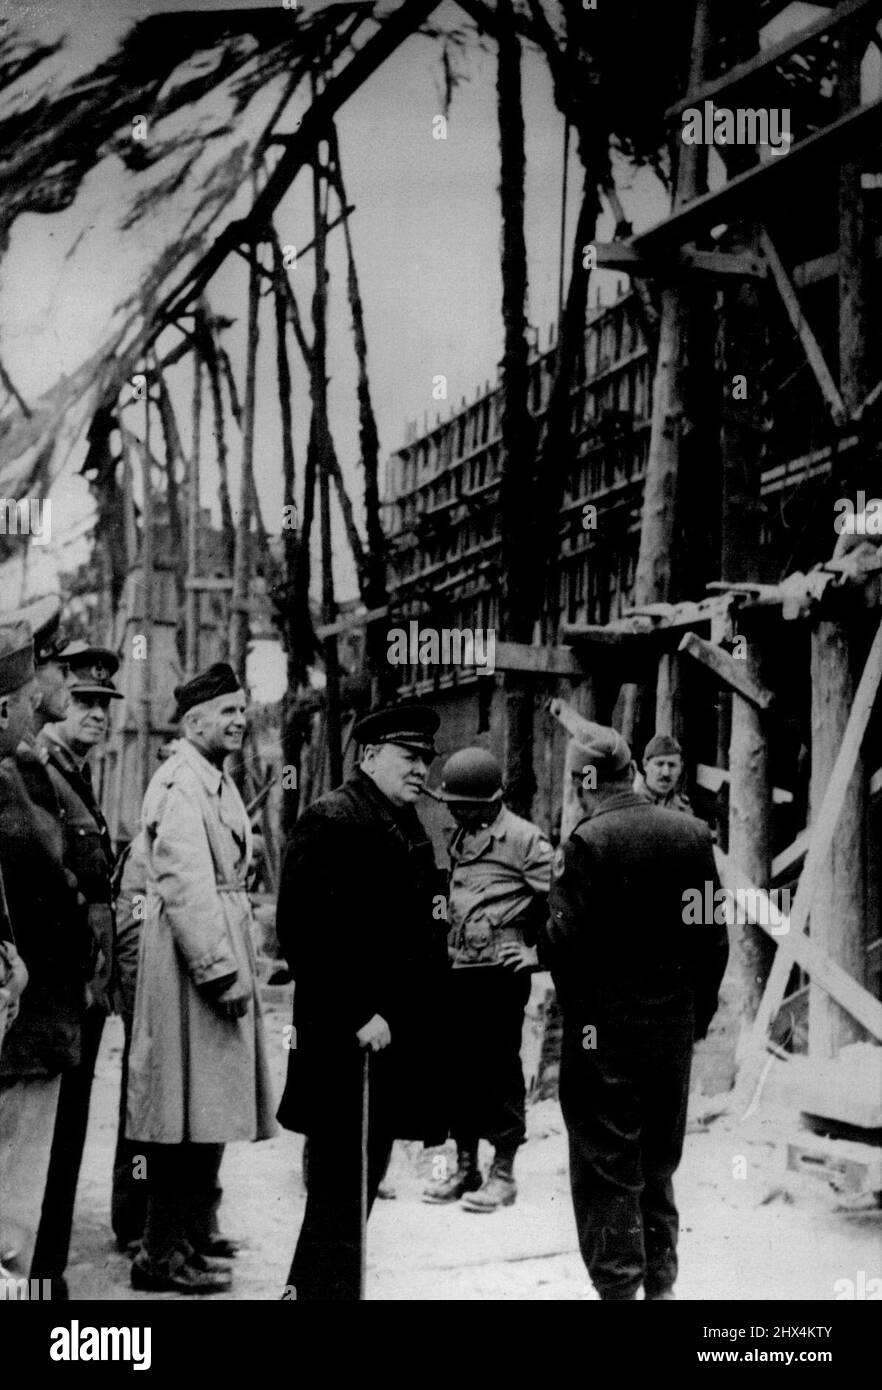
227	996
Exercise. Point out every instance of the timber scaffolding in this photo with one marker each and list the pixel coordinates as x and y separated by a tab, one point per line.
756	298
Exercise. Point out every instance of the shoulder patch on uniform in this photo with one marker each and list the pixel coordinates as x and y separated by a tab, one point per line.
558	862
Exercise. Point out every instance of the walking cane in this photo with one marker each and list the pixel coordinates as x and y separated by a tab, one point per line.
365	1117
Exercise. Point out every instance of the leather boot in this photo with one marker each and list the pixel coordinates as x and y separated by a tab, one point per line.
176	1275
499	1188
465	1177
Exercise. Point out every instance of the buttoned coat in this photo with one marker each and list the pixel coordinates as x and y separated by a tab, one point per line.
48	918
355	921
195	1077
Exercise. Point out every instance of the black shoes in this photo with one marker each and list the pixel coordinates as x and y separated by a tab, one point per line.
181	1273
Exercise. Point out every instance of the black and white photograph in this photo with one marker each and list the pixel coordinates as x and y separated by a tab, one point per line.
440	660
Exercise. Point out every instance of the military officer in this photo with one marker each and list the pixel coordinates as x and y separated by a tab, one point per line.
500	871
45	915
355	921
637	986
663	773
65	746
198	1075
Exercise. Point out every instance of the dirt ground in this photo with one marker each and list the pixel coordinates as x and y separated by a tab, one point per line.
749	1229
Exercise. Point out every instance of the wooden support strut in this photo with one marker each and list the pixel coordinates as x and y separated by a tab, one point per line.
820	838
776	53
728	669
762	912
801	327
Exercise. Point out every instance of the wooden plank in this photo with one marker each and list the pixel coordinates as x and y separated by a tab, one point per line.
576	724
810	345
545	661
821	836
747	190
711	779
768	57
621	255
800	948
354	620
785	862
732	672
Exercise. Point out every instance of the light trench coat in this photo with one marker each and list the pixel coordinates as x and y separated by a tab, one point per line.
195	1077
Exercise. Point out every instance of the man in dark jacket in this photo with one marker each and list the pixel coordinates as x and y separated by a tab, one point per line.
637	986
65	745
355	921
45	912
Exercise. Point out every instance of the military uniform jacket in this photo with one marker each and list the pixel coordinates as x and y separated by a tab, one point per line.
87	848
620	953
355	922
499	880
48	919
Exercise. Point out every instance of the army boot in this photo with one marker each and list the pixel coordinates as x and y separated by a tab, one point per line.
465	1177
499	1188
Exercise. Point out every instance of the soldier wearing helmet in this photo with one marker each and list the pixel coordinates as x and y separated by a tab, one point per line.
500	873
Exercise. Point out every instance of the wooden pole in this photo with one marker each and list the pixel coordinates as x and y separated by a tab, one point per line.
147	553
654	577
838	907
323	444
191	663
239	615
520	592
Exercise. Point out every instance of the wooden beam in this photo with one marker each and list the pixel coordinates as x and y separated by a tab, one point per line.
790	858
711	779
621	255
355	620
756	906
810	345
544	661
747	190
733	672
821	837
768	57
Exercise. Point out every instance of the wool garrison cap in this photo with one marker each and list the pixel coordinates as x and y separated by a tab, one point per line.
410	725
219	679
603	748
662	746
16	657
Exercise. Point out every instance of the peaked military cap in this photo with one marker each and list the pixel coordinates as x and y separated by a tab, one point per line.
410	725
219	679
90	669
16	657
42	617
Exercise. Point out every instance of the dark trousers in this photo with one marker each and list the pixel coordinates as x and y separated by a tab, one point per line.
486	1077
625	1109
327	1261
128	1198
68	1141
183	1195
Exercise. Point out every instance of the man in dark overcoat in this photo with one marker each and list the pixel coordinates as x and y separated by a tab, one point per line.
355	921
47	917
637	986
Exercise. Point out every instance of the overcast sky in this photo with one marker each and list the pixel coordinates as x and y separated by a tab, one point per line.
426	232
